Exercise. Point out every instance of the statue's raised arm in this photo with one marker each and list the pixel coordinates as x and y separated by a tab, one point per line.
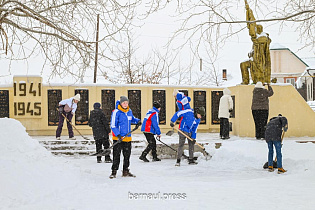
250	17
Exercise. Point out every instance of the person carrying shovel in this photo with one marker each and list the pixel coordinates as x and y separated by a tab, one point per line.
188	127
121	120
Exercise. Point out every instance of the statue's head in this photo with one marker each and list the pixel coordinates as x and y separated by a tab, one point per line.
259	28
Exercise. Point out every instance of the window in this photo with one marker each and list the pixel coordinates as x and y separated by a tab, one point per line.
82	112
159	95
215	101
54	97
108	103
200	100
4	103
290	80
134	97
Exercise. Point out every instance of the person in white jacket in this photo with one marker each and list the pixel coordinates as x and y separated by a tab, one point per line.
67	108
225	107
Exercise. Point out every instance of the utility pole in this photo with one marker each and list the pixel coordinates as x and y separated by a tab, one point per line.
96	46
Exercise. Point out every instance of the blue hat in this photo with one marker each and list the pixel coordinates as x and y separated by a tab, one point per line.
97	105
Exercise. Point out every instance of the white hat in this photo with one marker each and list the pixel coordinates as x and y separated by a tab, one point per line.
77	97
259	85
175	92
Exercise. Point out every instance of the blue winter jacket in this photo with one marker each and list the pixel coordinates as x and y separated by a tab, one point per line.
151	122
182	101
189	123
121	122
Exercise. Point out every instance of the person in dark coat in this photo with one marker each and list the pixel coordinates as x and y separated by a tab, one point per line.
101	129
273	134
260	108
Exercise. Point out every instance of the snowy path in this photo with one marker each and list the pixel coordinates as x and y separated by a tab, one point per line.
32	178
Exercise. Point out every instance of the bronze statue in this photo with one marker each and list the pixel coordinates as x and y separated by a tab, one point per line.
259	57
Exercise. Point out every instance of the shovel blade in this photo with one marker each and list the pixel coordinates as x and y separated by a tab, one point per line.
106	152
169	133
207	155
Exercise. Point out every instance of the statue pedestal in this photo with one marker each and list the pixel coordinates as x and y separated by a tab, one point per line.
286	101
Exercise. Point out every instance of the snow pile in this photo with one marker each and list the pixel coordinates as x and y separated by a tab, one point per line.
27	168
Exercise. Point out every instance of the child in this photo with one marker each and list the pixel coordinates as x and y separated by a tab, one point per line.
121	120
150	127
101	129
188	126
273	137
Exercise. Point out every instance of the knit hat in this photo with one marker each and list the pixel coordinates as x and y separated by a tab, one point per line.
259	85
175	92
97	105
77	97
123	99
156	104
201	111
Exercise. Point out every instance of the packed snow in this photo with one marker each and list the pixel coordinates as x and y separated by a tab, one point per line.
33	178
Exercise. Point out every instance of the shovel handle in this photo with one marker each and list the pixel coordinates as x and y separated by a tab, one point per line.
188	137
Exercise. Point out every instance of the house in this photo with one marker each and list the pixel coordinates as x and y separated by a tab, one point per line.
285	65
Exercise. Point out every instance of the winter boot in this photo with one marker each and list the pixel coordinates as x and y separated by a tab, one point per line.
192	162
270	168
281	171
108	160
144	158
156	159
126	173
177	162
113	175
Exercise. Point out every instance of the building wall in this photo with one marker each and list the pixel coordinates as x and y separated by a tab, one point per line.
284	61
286	101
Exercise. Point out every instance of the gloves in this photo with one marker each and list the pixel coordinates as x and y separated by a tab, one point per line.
194	141
139	123
172	124
60	109
119	138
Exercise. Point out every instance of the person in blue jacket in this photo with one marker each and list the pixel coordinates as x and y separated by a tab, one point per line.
182	101
189	125
121	121
150	127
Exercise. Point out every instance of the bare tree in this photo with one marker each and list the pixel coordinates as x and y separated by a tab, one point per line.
61	31
219	20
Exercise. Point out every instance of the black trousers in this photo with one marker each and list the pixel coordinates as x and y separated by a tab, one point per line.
260	118
102	143
125	147
151	146
224	128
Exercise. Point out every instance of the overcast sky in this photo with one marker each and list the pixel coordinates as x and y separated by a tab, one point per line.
158	28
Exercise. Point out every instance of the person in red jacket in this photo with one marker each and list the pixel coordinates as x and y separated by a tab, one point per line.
150	127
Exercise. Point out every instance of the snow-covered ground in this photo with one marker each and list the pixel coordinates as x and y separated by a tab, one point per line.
32	178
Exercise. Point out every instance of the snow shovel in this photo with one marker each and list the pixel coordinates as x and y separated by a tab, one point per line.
86	138
205	153
185	156
275	161
105	152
